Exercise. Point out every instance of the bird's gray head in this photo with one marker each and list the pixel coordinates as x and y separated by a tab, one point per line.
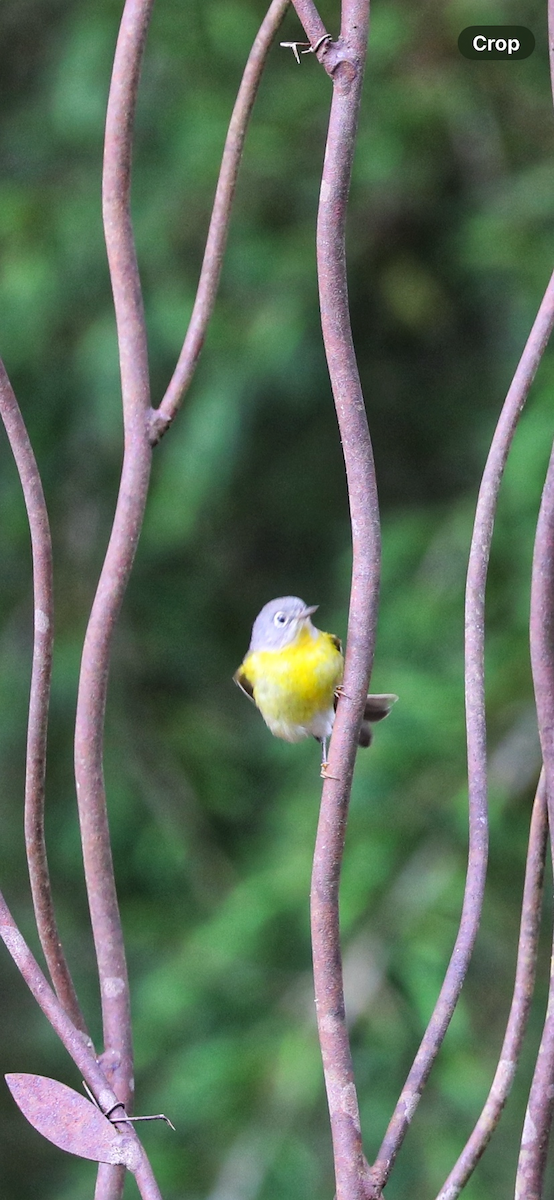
277	625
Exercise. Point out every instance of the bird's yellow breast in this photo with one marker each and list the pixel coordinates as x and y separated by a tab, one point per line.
294	687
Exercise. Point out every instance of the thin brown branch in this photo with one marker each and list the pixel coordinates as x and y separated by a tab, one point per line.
521	1002
540	1109
89	729
76	1043
310	19
39	699
476	737
350	1164
538	1118
161	418
110	1181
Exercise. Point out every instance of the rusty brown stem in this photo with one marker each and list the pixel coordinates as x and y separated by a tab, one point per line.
521	1002
89	728
161	418
39	699
77	1044
540	1108
538	1117
308	15
337	1062
476	740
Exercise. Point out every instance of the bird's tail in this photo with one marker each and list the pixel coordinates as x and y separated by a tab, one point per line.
376	709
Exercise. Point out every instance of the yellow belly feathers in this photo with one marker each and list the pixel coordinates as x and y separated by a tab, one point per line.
294	688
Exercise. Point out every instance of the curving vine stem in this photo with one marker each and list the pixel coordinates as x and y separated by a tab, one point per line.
476	738
89	726
161	417
344	60
520	1006
39	700
540	1108
142	428
352	1174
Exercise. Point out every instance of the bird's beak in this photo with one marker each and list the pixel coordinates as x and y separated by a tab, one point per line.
308	612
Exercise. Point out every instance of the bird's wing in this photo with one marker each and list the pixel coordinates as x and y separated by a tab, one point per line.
336	641
244	684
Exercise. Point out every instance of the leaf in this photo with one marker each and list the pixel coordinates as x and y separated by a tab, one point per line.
71	1121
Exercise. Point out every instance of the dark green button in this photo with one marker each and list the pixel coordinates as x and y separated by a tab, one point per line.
496	41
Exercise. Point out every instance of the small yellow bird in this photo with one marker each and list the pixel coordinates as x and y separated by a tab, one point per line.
293	673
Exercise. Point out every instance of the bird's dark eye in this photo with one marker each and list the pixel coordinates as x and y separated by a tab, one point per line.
280	618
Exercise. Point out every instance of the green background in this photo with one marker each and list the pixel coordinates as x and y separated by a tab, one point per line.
450	245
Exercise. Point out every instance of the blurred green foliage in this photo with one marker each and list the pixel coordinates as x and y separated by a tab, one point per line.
451	241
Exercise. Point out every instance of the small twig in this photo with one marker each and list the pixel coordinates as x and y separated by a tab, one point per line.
39	700
161	418
297	48
476	733
117	1120
131	1120
521	1002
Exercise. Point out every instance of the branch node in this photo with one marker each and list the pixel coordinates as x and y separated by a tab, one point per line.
157	424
